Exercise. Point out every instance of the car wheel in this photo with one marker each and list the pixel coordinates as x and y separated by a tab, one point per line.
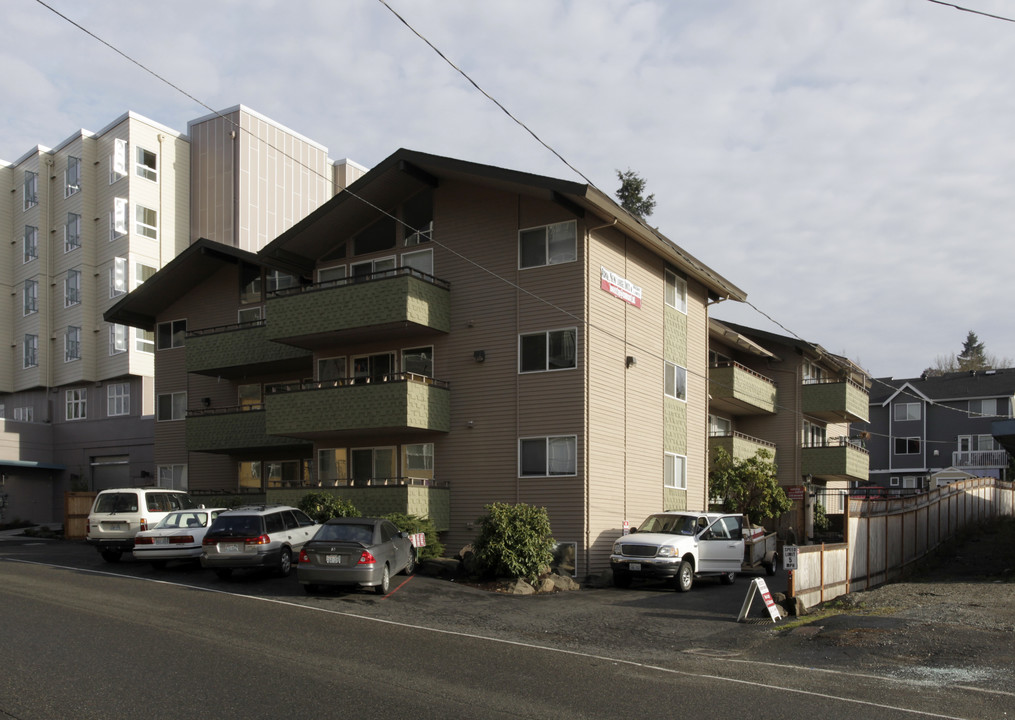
111	556
285	563
728	578
159	564
410	567
621	579
224	573
385	585
773	567
685	576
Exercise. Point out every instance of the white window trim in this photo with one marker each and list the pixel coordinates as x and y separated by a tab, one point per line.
905	407
72	290
34	346
172	334
68	343
547	259
117	402
121	333
142	228
546	356
674	368
907	438
118	161
675	483
141	169
70	188
680	291
72	241
76	398
31	249
30	308
547	439
172	406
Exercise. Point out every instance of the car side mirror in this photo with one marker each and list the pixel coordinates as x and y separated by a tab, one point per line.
632	531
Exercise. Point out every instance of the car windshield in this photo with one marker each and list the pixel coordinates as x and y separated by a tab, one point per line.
346	533
672	524
116	502
183	520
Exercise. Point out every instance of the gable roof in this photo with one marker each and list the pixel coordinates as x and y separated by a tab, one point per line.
405	172
951	386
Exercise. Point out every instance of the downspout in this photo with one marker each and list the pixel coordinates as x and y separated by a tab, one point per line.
708	404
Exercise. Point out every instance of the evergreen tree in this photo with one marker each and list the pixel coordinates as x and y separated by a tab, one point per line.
631	194
973	355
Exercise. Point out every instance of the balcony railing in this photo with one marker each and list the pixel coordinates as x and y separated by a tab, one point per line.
740	390
394	402
241	348
980	458
836	400
402	300
739	445
233	429
839	458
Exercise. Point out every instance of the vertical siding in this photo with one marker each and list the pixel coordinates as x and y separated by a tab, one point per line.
10	299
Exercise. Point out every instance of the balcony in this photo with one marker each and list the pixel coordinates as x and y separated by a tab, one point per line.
836	401
405	301
980	459
233	430
738	390
837	459
242	349
404	403
739	446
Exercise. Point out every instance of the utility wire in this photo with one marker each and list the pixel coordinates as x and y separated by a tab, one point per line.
970	10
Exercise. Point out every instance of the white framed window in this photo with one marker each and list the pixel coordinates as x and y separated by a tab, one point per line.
813	374
72	344
334	274
675	471
248	314
373	368
548	350
117	339
25	413
141	273
278	280
171	334
421	260
978	443
418	361
118	277
173	477
118	161
144	340
814	435
31	243
986	407
907	411
146	222
72	177
31	190
417	459
375	463
675	381
30	351
118	219
676	291
146	164
76	404
907	446
332	464
893	481
72	288
719	426
171	407
555	455
72	233
117	399
372	269
548	245
30	297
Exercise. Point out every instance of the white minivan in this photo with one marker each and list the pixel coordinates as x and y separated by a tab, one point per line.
119	514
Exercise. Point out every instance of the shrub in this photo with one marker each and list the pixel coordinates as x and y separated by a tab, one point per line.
322	506
412	524
514	541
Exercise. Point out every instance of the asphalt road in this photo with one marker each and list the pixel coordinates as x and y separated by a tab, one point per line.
86	639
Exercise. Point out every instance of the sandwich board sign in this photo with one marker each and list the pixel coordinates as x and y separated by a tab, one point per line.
758	586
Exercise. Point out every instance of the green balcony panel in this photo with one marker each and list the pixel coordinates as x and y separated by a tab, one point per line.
243	348
233	432
836	462
740	391
406	302
381	406
836	401
740	446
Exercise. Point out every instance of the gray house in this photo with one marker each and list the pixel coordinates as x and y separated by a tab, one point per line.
927	430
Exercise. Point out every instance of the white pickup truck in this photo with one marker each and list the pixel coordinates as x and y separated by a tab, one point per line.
680	546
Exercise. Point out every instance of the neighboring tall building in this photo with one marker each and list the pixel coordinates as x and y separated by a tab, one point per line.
443	336
927	430
796	400
87	222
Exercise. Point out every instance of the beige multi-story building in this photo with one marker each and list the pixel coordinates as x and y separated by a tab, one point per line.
442	336
87	222
799	402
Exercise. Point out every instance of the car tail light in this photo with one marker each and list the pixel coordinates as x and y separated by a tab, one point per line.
144	524
304	557
259	540
144	541
366	558
181	539
209	541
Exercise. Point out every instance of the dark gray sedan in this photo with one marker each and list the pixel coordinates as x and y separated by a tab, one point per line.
363	552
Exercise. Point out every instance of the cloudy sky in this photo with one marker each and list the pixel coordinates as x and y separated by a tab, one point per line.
848	163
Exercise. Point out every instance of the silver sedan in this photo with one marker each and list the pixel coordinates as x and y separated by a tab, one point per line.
362	552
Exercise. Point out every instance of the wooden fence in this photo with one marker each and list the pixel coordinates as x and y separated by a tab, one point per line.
885	537
76	506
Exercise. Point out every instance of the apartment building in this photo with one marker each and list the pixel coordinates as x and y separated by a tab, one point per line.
443	336
85	223
927	430
796	400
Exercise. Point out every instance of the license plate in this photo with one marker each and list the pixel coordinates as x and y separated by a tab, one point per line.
333	559
635	567
231	548
161	541
114	527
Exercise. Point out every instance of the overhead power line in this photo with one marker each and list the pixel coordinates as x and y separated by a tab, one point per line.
970	10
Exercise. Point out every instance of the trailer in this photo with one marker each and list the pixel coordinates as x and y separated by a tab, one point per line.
761	549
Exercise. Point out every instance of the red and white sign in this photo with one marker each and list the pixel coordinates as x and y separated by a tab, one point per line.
418	539
795	492
620	287
627	527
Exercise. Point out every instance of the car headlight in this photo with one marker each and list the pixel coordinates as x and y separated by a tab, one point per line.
665	551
